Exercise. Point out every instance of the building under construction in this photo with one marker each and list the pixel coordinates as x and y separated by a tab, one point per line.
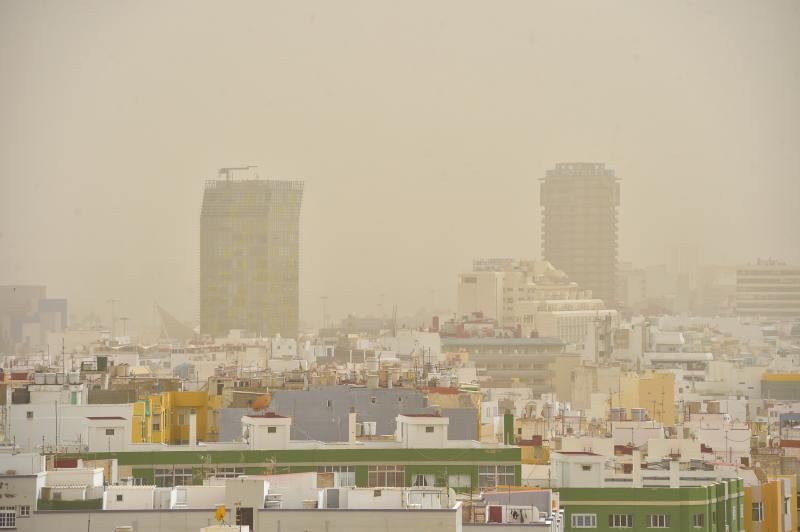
249	255
579	225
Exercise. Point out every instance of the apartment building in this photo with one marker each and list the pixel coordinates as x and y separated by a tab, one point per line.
579	225
768	289
249	256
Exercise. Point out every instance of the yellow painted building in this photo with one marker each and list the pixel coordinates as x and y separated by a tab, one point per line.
654	392
771	506
164	418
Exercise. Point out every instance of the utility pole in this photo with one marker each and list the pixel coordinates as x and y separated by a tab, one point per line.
324	300
55	456
113	302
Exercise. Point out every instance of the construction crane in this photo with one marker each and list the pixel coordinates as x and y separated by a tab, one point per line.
227	171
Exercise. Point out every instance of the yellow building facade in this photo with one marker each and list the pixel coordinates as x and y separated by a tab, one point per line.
164	418
654	392
771	506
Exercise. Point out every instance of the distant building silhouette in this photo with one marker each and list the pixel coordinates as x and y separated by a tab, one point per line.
769	289
579	225
249	232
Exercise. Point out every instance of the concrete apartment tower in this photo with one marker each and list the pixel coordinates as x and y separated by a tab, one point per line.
249	256
579	225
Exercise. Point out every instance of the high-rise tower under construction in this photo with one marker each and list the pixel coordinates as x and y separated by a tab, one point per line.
249	255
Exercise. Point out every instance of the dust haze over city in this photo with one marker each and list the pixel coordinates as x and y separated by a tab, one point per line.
421	131
566	175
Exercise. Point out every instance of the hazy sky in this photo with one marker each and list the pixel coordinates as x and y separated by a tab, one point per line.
421	129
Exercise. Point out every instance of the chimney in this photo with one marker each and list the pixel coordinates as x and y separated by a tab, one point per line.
637	468
192	430
351	425
674	474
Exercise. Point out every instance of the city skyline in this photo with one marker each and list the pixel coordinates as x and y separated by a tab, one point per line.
392	167
371	265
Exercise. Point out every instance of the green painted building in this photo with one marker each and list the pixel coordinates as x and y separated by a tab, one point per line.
463	469
716	507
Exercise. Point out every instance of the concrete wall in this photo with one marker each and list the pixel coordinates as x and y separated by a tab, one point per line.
96	439
141	521
28	433
360	520
294	488
369	499
415	435
20	490
132	498
249	492
266	520
22	464
203	496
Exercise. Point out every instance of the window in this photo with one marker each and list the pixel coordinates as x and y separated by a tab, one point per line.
586	467
584	520
272	430
228	472
428	429
167	478
25	511
758	511
119	498
183	476
373	399
459	481
181	419
346	476
29	414
658	521
492	476
620	521
163	478
424	480
156	425
699	520
109	432
386	476
329	403
8	519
